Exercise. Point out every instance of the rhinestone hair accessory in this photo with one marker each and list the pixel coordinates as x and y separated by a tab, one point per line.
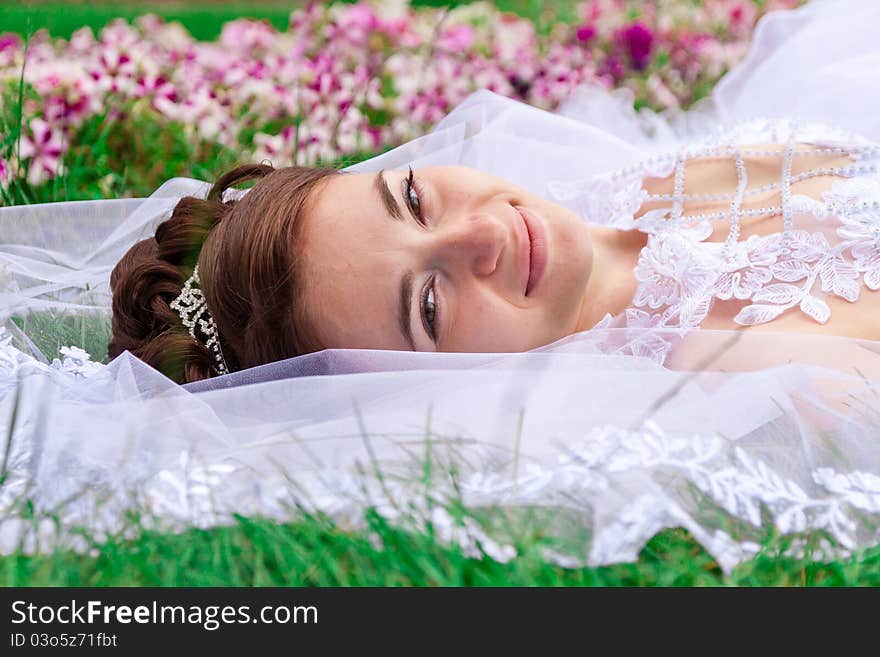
192	307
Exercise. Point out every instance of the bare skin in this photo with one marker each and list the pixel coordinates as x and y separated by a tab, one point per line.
719	174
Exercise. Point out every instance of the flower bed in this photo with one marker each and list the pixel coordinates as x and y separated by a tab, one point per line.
344	81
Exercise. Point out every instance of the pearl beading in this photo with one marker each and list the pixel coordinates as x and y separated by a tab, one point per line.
787	215
733	216
771	210
804	175
735	212
855	152
678	188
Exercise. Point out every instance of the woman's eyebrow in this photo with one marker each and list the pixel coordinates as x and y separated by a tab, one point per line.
387	197
406	286
406	283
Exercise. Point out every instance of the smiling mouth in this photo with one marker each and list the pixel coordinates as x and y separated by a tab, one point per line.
537	248
524	253
530	283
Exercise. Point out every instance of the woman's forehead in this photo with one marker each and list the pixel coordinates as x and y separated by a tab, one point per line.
350	262
348	196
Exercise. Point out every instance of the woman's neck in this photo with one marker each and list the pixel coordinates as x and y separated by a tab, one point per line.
612	284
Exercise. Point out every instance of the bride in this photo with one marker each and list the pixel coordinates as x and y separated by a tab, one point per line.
633	321
449	258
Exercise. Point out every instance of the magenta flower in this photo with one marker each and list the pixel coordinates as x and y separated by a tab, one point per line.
638	41
9	40
585	33
5	172
611	69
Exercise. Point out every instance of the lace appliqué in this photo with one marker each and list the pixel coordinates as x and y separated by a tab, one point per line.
680	275
684	276
853	200
602	200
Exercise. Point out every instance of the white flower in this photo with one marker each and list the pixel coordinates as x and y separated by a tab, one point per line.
749	270
865	231
77	362
673	269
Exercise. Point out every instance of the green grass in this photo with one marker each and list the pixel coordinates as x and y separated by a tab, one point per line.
316	552
51	331
205	20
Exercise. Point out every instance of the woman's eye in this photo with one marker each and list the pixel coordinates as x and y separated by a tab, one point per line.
428	304
429	312
412	197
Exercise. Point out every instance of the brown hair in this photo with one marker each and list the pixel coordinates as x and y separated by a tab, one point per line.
249	270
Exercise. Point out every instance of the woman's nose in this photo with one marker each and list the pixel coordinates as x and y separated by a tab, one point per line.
474	241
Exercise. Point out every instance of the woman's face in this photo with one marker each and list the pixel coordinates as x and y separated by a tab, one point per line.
442	267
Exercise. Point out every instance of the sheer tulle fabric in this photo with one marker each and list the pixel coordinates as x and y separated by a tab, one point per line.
736	433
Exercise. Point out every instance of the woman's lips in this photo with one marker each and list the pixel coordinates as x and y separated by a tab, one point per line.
536	256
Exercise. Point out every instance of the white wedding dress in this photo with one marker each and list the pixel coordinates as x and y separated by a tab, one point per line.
600	439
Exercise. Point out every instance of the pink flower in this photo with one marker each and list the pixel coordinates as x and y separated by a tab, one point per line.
155	87
278	149
457	39
83	41
245	36
9	40
353	24
120	35
10	45
67	93
401	32
741	17
43	145
115	71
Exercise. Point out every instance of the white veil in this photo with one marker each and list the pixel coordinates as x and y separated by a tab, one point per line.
599	449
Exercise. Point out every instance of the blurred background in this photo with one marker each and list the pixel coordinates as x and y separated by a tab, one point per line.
204	19
107	99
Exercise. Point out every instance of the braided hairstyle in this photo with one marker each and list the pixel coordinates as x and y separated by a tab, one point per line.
246	251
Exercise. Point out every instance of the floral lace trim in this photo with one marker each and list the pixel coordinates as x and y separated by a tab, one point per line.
74	362
680	275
